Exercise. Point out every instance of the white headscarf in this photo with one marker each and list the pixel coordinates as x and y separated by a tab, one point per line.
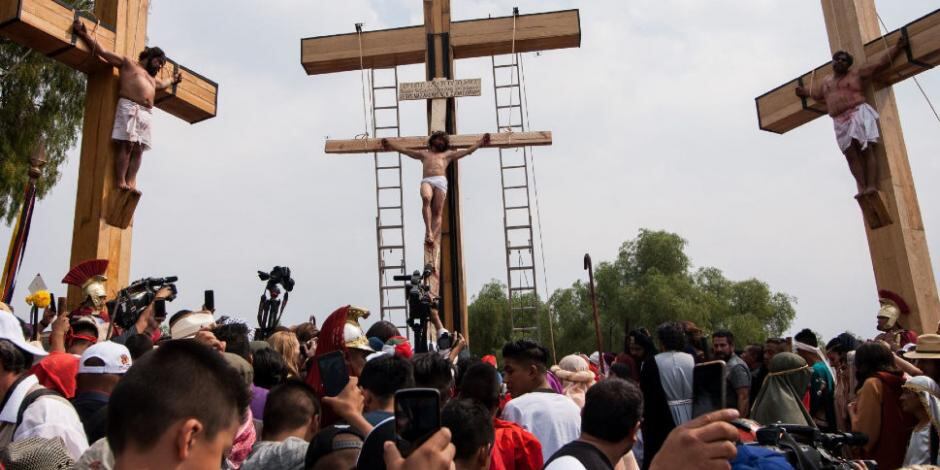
927	392
798	346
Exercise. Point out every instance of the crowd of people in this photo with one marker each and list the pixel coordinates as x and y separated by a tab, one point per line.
85	394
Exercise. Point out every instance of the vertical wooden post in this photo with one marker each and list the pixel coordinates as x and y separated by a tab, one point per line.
92	236
898	251
439	62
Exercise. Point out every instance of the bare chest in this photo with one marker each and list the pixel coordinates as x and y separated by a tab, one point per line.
847	84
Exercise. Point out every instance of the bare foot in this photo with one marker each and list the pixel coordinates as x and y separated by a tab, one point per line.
136	191
124	186
428	239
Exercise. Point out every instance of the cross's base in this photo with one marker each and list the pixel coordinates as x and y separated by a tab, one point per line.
874	209
123	204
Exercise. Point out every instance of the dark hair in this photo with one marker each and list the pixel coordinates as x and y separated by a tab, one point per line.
463	364
270	368
83	326
481	384
776	341
671	336
621	371
724	334
807	336
181	379
12	358
138	345
848	56
612	407
386	375
756	351
527	351
642	339
439	135
288	407
871	358
433	371
843	343
471	427
235	335
383	330
305	332
151	53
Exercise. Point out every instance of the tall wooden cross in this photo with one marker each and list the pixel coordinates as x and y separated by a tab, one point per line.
436	44
896	238
102	226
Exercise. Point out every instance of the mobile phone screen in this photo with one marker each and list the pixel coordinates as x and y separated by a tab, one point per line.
159	309
333	373
708	387
209	300
417	417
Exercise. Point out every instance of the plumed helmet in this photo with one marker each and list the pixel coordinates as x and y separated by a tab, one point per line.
892	307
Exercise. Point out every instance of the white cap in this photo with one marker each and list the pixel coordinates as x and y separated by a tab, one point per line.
188	326
116	358
10	330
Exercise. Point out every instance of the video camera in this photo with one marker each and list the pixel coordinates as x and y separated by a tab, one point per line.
420	303
135	298
278	275
807	448
270	308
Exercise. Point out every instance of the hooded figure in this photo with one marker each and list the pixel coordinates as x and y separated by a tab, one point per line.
576	377
781	397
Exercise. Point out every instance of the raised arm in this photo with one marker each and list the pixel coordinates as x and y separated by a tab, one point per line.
108	56
389	145
458	154
884	62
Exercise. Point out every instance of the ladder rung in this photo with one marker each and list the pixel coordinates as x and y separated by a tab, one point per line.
520	247
395	307
389	207
393	287
391	247
521	288
525	328
525	307
385	107
386	268
518	227
393	167
503	66
506	106
509	127
510	208
390	227
508	86
521	268
389	187
520	186
512	167
385	87
379	128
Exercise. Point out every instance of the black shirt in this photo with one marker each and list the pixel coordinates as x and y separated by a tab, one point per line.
590	457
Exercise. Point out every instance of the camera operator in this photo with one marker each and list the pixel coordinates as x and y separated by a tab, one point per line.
147	323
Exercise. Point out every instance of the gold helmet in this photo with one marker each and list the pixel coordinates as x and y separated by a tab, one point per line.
892	306
353	336
90	277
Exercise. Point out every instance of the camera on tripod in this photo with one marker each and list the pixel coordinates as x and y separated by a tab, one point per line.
270	308
135	298
420	303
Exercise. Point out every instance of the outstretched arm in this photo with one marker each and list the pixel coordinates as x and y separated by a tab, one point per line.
457	155
108	56
882	64
814	92
164	84
389	145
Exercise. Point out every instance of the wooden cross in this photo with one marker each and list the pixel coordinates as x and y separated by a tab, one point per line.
436	44
896	238
102	226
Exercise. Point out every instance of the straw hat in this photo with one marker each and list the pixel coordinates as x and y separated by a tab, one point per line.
928	347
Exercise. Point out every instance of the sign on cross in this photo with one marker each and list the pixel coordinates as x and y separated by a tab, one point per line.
102	226
436	44
897	244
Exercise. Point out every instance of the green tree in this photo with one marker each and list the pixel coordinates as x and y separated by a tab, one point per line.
489	319
39	99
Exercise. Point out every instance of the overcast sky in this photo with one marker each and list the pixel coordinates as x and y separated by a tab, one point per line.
654	127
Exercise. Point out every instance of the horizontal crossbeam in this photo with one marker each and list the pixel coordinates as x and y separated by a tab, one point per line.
471	38
500	140
46	27
780	110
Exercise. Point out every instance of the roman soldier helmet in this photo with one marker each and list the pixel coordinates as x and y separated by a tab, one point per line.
89	276
892	307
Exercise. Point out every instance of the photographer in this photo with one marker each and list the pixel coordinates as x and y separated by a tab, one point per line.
147	323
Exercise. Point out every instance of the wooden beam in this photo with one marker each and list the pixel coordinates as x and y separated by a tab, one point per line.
780	110
472	38
46	27
500	140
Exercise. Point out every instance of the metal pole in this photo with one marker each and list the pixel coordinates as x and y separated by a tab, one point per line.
597	319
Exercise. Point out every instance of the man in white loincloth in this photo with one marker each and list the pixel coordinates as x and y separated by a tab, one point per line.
434	185
138	85
855	121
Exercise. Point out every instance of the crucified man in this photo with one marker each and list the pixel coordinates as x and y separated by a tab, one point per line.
138	86
434	184
855	121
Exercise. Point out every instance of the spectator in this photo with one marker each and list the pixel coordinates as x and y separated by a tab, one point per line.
575	376
753	356
926	355
191	401
334	447
841	353
621	370
822	386
383	330
138	345
100	369
666	382
781	398
433	371
877	413
737	374
640	347
44	413
919	398
610	421
553	418
380	379
514	448
291	420
235	336
774	346
287	345
471	431
627	361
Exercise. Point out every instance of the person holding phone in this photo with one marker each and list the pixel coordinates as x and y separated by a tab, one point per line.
738	375
471	433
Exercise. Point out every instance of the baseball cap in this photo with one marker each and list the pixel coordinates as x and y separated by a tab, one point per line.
113	358
10	330
189	325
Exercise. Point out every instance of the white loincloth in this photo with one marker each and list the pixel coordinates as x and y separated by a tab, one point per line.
132	123
859	123
436	182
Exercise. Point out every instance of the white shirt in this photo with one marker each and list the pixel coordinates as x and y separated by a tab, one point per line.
918	449
553	418
565	463
47	417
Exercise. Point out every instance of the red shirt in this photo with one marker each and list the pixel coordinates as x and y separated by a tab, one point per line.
515	448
